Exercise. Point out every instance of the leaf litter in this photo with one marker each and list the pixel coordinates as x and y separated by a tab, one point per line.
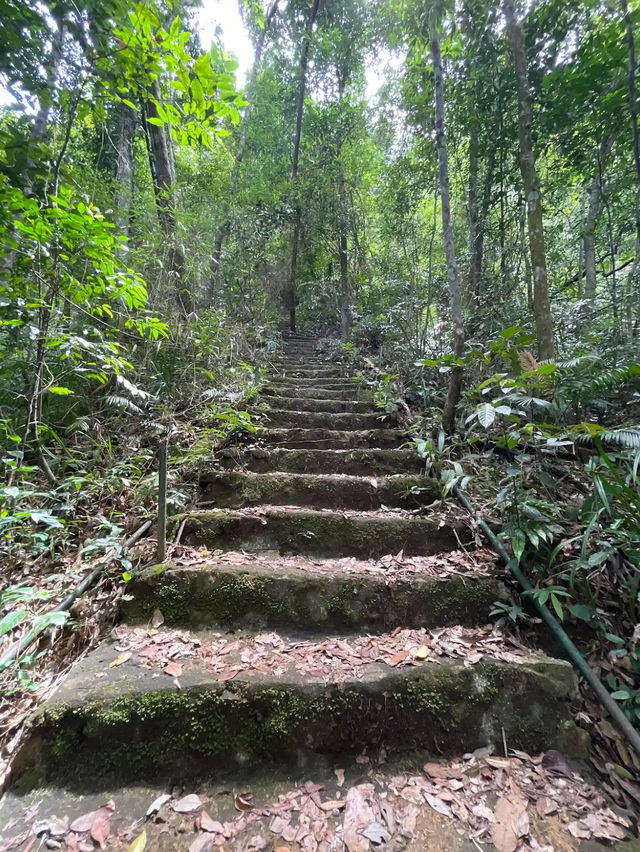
511	803
393	568
336	659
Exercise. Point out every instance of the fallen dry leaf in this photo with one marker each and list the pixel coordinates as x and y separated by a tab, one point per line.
210	825
188	804
120	659
242	802
155	806
100	829
333	805
339	773
396	659
173	669
555	762
438	805
84	823
357	816
508	814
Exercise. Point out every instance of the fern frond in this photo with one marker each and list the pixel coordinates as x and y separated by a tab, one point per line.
122	402
628	437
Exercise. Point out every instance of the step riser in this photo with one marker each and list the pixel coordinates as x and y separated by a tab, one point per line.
350	462
329	439
309	373
236	597
320	420
234	490
303	393
323	534
310	404
298	387
180	735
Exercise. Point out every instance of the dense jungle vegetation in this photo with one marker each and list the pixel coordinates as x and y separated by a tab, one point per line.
451	192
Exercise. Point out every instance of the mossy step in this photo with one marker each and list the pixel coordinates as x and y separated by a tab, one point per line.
315	393
116	718
350	462
318	595
309	372
320	420
322	533
336	406
289	385
331	438
235	489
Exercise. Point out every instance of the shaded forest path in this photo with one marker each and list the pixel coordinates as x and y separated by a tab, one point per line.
319	621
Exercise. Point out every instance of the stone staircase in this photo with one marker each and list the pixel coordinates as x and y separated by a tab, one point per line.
323	616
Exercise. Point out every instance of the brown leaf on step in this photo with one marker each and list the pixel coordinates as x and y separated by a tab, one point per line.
155	806
204	843
120	659
357	816
438	805
498	762
545	806
100	829
188	804
396	659
510	810
210	825
333	805
84	822
173	669
228	675
440	770
242	802
579	830
282	849
555	762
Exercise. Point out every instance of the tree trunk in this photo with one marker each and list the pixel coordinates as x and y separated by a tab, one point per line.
594	212
290	294
223	228
124	168
531	184
345	289
635	133
455	295
164	189
473	216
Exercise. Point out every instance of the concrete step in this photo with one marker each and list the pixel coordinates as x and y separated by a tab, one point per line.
289	385
308	371
271	699
350	462
321	595
273	529
234	489
331	439
284	418
305	404
351	393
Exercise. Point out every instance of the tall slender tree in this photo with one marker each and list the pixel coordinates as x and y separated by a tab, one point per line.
290	293
531	184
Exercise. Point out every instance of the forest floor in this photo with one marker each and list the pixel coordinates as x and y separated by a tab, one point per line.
349	695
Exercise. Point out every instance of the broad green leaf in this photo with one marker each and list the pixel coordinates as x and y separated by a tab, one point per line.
12	619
